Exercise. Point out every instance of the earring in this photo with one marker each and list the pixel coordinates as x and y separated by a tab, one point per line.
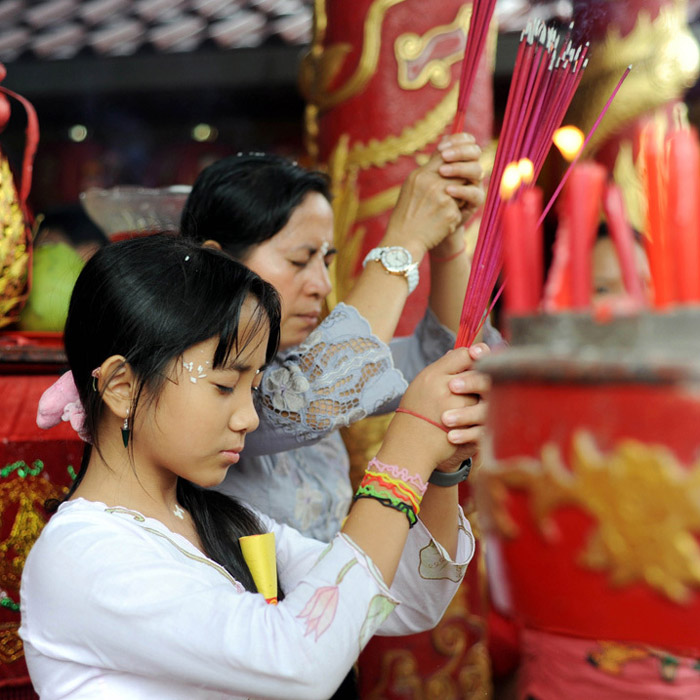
126	430
95	376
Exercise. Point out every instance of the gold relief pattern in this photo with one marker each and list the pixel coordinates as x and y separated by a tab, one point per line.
428	59
319	68
27	490
10	643
345	206
665	59
646	508
28	494
465	673
413	138
14	251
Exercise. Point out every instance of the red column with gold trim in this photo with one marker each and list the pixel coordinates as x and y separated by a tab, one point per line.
381	81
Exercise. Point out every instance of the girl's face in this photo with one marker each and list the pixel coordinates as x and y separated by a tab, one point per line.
295	261
196	427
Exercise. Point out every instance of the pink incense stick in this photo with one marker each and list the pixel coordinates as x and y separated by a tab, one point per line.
544	80
553	199
482	12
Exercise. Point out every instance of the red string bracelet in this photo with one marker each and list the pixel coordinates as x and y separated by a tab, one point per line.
454	256
427	420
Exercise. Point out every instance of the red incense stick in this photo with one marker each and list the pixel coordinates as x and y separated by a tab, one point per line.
585	143
482	12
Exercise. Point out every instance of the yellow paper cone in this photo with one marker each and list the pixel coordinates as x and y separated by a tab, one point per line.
259	554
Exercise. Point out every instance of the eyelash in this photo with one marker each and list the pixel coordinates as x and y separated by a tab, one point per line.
301	265
224	389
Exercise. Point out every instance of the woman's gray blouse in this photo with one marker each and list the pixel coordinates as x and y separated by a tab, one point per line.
295	467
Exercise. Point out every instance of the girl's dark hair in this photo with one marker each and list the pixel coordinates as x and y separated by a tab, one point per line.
150	299
244	200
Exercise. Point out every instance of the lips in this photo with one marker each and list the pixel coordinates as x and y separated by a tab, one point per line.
232	456
311	317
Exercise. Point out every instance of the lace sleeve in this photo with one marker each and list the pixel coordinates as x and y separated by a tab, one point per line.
339	375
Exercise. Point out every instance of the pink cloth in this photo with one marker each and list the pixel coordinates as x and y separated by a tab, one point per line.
555	667
61	402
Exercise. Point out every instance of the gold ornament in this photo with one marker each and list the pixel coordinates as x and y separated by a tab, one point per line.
645	504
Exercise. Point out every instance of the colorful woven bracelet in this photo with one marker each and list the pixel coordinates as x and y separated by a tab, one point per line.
398	488
389	503
387	497
399	473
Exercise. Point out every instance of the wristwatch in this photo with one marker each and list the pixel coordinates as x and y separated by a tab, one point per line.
396	260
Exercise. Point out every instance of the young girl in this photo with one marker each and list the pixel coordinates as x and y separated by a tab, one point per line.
137	587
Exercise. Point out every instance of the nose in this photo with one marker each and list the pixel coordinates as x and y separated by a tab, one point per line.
318	282
244	419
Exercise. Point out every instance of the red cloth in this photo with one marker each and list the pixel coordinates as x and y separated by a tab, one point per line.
34	465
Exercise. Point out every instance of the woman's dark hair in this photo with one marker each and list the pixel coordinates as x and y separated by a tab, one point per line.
150	299
244	200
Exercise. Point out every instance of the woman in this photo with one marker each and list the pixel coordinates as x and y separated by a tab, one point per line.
276	218
137	587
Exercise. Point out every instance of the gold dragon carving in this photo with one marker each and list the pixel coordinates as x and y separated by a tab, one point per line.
645	505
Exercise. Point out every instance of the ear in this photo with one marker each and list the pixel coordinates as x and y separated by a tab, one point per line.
209	243
117	384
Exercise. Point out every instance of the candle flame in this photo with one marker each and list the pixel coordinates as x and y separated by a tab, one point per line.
526	168
510	181
569	140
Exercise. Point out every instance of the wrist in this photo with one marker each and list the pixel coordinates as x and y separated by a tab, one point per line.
449	248
451	478
415	247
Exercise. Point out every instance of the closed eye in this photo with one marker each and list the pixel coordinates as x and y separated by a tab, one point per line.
222	389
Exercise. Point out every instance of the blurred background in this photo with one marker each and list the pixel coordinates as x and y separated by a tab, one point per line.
149	91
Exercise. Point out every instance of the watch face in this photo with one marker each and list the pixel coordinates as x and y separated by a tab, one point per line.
396	259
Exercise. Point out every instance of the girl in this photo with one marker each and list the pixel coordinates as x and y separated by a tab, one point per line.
137	587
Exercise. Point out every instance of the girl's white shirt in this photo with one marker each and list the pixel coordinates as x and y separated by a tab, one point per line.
115	605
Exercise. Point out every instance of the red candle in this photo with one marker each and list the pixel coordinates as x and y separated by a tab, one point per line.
623	238
683	213
583	200
515	258
656	240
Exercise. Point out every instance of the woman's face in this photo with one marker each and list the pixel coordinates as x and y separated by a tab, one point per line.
196	427
295	261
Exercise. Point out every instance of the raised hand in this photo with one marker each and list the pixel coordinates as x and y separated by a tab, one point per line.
438	197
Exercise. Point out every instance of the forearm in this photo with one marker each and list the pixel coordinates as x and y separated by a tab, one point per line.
439	514
379	530
379	297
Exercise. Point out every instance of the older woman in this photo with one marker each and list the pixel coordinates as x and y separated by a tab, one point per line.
276	218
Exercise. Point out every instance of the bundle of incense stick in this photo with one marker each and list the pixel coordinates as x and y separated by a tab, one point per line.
544	81
482	12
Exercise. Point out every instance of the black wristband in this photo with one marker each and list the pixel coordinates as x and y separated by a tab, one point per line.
452	478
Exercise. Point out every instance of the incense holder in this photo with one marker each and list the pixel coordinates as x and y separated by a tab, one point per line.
589	491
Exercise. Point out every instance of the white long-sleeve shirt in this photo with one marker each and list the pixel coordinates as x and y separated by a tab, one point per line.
115	605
